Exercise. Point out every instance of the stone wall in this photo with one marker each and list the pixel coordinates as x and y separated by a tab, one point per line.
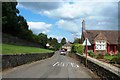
9	61
102	69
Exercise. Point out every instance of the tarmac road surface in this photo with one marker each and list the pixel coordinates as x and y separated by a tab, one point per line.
58	66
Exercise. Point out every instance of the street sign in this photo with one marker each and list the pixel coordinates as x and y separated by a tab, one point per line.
88	42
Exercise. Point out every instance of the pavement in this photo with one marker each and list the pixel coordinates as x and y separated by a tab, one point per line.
58	66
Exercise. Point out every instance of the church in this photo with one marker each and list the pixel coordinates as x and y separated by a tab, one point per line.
102	41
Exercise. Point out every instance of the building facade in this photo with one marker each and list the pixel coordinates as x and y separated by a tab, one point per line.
102	41
67	46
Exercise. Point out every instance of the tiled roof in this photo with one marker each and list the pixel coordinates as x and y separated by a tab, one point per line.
110	35
67	44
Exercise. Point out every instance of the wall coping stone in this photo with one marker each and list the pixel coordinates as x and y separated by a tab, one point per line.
106	66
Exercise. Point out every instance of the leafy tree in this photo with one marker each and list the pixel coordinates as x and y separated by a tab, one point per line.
54	41
63	41
42	40
50	40
55	44
9	18
77	40
22	22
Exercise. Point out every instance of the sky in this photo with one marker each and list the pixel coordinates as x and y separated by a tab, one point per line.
63	18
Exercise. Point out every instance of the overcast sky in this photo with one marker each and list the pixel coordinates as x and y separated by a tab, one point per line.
63	19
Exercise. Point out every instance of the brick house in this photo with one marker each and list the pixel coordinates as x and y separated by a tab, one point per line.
104	41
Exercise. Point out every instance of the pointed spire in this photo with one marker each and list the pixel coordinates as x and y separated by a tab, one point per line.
83	25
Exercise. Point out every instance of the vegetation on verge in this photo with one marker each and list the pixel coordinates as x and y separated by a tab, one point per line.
111	58
13	49
77	48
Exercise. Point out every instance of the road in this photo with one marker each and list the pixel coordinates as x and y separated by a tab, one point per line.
58	66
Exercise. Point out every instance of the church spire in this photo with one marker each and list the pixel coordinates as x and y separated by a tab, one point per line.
83	25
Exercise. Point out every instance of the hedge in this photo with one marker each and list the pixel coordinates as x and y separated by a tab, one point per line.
77	48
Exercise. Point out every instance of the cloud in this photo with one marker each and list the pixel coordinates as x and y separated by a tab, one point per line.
71	26
39	6
39	27
95	13
99	15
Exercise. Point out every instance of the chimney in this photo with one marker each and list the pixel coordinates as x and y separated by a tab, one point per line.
83	25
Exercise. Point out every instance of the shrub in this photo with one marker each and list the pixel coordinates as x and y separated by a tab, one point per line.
116	59
118	48
91	53
77	48
73	48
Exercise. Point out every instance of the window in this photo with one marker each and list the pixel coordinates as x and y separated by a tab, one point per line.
100	45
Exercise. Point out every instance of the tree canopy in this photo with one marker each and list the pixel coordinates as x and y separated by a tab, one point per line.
63	41
77	40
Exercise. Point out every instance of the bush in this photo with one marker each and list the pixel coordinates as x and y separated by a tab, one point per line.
91	53
73	48
116	59
77	48
118	48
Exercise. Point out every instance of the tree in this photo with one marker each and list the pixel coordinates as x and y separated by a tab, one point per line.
42	40
55	44
77	40
9	18
54	41
50	40
63	41
22	22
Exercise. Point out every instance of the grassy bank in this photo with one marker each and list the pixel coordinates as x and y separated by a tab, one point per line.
13	49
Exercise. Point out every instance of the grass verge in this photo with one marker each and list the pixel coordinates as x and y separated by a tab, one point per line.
13	49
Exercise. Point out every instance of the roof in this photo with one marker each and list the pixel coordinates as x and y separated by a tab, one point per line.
110	35
100	36
67	44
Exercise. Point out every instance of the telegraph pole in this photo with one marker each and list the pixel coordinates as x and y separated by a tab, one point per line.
86	50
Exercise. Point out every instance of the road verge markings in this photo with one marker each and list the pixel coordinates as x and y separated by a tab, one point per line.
62	64
56	64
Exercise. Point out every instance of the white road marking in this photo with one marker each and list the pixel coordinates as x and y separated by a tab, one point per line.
72	64
77	66
62	64
56	64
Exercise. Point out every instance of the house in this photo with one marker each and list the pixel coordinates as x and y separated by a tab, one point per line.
102	41
67	46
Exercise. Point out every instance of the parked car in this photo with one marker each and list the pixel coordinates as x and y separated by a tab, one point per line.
62	52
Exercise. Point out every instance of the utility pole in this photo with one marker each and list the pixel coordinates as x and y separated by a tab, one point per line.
86	50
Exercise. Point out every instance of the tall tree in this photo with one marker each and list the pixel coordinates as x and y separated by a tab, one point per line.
22	23
63	41
77	40
50	40
42	40
54	41
55	44
9	18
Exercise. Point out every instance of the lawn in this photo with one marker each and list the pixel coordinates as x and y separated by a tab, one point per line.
13	49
